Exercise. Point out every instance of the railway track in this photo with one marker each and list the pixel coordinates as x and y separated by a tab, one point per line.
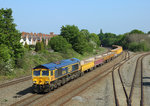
28	100
138	74
19	80
127	57
66	95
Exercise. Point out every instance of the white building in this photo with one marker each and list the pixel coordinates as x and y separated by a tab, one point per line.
32	39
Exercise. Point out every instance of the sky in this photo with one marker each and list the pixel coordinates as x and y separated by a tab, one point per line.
45	16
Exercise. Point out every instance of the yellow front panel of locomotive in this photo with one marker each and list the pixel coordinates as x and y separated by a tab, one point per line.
40	80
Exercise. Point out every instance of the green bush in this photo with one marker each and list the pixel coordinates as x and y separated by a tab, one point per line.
142	46
133	46
26	46
39	46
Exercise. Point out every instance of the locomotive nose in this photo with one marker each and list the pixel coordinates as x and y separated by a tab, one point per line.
41	81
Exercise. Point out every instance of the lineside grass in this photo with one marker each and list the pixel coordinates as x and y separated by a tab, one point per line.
32	59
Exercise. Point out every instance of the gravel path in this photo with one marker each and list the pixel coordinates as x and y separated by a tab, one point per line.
119	89
11	94
100	94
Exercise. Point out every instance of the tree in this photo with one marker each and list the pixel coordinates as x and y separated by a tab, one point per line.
107	39
4	53
94	40
39	46
9	36
59	44
69	32
44	42
101	35
81	44
135	31
101	31
123	41
78	39
85	32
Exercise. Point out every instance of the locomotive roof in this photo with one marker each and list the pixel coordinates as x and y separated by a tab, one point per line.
59	64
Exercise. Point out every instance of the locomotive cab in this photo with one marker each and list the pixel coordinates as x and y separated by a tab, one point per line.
41	76
41	79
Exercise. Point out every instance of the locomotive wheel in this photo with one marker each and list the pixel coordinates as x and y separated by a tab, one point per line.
91	69
59	83
82	73
52	87
78	74
55	85
63	81
75	76
68	79
47	89
71	77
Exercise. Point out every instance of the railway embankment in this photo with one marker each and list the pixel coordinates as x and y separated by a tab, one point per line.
32	59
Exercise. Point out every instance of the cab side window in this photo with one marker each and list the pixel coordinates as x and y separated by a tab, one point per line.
75	67
51	73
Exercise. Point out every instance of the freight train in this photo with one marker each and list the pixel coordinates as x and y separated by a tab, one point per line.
48	77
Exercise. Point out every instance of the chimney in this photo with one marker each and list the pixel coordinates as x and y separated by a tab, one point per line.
23	34
31	34
51	33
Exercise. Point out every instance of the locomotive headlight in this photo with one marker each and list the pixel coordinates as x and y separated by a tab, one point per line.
34	82
46	82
